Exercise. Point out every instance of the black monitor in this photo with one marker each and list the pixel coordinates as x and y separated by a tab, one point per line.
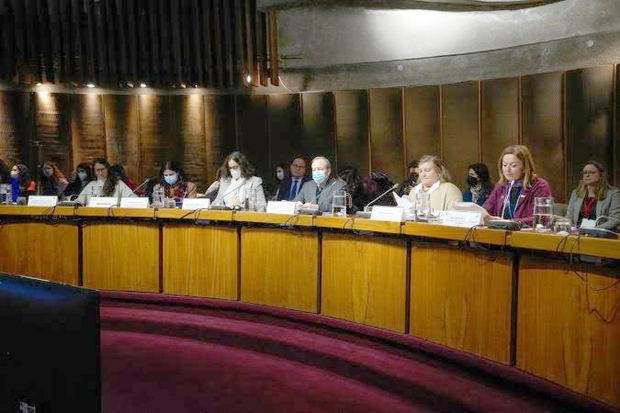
49	347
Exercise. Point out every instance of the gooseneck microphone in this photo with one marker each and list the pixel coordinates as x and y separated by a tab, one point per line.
379	197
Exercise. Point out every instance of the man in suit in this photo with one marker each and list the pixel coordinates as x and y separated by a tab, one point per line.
318	192
291	186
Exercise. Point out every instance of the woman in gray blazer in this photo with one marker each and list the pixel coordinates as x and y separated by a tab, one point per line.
238	183
595	199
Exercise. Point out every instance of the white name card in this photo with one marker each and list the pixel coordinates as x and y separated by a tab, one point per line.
281	207
102	201
196	203
42	201
460	218
385	213
134	202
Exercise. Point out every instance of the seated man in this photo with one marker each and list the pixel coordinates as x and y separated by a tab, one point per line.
291	186
318	192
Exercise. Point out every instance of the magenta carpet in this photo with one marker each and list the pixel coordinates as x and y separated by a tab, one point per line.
177	354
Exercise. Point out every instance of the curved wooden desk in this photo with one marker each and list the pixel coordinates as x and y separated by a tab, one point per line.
509	297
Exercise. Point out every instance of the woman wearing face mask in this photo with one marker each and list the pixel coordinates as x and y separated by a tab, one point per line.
237	182
513	196
594	198
479	184
51	180
433	180
82	175
279	174
175	185
106	184
21	183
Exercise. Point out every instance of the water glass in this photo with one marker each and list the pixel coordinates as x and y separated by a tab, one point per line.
422	204
543	213
339	204
562	225
6	194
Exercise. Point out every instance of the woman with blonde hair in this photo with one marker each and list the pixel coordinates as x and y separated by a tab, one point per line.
433	179
513	196
594	198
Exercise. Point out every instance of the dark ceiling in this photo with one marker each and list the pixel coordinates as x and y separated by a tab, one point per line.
116	43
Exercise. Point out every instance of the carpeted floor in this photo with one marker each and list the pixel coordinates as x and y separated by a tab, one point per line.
174	354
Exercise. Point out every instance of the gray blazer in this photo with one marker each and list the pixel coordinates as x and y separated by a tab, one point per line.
608	207
308	193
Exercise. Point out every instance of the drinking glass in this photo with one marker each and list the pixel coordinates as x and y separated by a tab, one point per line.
422	205
562	225
543	213
339	204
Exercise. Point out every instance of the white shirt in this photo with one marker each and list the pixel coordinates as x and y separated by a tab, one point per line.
95	188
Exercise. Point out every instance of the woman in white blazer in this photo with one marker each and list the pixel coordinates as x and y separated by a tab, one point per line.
238	183
595	199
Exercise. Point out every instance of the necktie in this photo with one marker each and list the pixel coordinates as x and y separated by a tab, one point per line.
295	188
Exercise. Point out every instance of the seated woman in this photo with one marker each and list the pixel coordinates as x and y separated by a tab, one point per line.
51	180
513	196
82	175
172	179
22	185
433	180
479	184
594	198
237	182
119	171
106	184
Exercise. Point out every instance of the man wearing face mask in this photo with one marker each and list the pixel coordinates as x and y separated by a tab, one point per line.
318	192
291	186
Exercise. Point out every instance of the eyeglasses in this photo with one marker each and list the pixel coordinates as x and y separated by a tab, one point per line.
586	173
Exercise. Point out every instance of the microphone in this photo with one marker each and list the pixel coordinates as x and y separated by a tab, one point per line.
379	197
146	181
507	198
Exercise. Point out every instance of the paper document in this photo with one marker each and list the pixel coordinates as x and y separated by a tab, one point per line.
469	207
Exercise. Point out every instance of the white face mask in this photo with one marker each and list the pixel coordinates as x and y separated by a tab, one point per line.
280	175
82	176
14	174
235	173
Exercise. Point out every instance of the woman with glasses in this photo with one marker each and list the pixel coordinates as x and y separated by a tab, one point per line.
595	199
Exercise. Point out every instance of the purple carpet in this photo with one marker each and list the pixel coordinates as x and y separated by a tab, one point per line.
177	354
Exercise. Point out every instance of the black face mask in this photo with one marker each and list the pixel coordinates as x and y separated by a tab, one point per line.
472	180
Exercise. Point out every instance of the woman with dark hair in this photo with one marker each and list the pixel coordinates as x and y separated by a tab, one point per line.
479	184
82	175
595	199
238	183
119	171
172	179
21	182
51	180
106	184
279	175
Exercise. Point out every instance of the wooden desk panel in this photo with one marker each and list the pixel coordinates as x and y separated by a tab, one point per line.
364	279
568	327
40	250
462	298
200	261
598	247
280	268
119	256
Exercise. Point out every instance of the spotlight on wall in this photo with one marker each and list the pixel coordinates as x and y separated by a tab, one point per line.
142	85
248	78
90	85
129	84
182	86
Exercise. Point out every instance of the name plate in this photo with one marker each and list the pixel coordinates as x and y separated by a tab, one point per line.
588	223
281	207
134	202
196	203
102	201
42	201
460	218
385	213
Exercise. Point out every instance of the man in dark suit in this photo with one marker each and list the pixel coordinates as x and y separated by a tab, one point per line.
318	192
290	187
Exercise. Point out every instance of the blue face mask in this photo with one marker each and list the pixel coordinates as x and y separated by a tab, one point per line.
171	179
318	176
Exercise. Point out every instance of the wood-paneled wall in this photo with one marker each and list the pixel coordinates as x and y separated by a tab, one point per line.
565	118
